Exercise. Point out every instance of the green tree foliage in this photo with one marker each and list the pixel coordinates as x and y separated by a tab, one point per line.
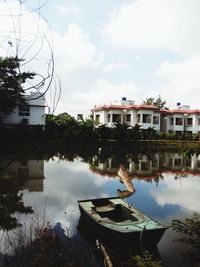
149	133
120	131
10	201
135	133
60	121
158	102
103	132
66	128
11	81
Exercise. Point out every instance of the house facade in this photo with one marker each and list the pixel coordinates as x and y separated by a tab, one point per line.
32	112
181	120
178	120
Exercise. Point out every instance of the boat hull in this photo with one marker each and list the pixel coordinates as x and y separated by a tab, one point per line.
143	235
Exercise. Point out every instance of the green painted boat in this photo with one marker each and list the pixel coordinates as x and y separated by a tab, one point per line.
116	217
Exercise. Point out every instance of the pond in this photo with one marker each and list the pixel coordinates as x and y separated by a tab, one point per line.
167	187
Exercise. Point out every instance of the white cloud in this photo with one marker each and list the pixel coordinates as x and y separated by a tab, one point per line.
159	24
93	73
81	68
187	197
74	50
116	66
182	81
102	92
62	207
67	9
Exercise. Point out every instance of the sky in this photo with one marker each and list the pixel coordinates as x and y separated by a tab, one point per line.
108	49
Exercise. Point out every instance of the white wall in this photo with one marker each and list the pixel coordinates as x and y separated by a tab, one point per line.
104	117
150	124
37	115
37	112
195	128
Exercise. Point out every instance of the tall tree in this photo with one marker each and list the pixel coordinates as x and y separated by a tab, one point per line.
158	102
11	83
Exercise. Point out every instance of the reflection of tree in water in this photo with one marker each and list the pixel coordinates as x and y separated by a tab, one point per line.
10	201
191	230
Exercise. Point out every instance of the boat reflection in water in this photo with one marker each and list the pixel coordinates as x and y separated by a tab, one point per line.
122	229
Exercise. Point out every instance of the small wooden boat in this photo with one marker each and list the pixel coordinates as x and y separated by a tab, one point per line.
114	216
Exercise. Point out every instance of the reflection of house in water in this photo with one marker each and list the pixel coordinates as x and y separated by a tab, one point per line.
143	167
150	167
178	163
32	171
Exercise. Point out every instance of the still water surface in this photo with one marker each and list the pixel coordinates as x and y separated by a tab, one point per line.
167	187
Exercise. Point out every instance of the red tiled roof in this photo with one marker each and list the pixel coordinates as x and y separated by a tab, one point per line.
180	111
147	107
128	107
145	177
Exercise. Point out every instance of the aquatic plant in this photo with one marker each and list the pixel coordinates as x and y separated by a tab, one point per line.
190	229
146	260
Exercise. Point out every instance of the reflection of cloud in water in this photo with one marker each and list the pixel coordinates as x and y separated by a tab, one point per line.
68	165
183	192
65	183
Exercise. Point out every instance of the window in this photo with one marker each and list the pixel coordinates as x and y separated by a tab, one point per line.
24	110
188	162
198	163
171	121
155	163
108	117
23	173
97	119
146	118
179	121
116	118
138	118
170	162
145	165
177	162
128	118
155	119
199	121
189	121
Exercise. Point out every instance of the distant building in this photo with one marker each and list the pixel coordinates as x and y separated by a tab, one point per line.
178	120
31	113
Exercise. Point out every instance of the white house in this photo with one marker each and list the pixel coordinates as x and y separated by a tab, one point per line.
181	119
31	113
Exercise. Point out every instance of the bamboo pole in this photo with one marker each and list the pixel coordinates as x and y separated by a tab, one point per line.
105	254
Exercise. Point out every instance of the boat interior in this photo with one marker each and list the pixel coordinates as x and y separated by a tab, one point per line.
115	212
